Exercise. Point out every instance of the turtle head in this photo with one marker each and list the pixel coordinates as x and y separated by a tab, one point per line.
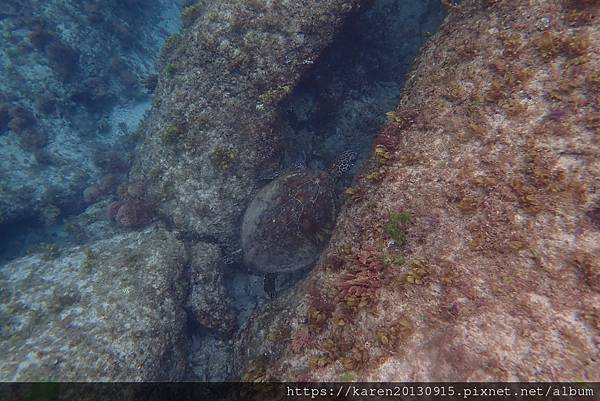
300	162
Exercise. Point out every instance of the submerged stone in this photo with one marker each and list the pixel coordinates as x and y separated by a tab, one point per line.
111	310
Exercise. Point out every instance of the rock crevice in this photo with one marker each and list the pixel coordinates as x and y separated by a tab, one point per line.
467	247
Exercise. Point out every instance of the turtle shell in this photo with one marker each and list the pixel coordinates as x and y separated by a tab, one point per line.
289	221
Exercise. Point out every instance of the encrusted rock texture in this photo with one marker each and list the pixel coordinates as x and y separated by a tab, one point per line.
65	65
115	309
210	133
469	245
109	311
207	302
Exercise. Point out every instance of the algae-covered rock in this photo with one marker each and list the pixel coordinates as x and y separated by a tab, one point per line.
207	302
112	310
65	66
289	221
468	247
212	130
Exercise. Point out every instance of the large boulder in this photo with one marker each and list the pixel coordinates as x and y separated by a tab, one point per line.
468	248
111	310
208	302
211	130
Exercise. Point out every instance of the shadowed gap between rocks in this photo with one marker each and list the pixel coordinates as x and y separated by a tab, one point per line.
341	104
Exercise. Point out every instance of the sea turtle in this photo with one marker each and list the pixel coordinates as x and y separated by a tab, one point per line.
290	219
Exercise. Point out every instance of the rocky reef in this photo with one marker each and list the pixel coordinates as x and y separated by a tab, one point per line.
118	210
71	95
110	310
211	132
459	231
468	245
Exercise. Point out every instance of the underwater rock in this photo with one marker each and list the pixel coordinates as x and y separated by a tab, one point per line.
211	359
208	303
211	132
468	248
62	76
288	222
111	310
4	116
131	211
92	224
63	60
